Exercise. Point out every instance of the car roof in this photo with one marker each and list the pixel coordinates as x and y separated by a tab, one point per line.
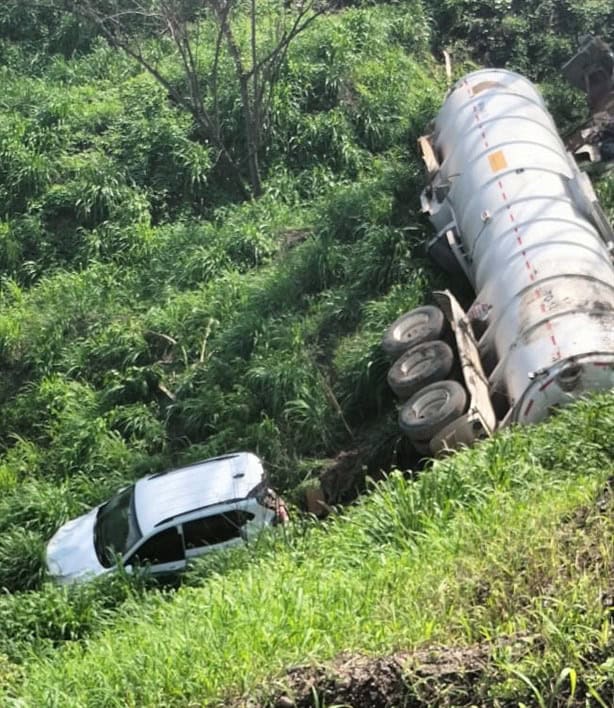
163	496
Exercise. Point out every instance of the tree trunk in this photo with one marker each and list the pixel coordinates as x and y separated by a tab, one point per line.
256	83
251	138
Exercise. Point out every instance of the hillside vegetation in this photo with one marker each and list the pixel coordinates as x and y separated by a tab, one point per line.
152	314
506	547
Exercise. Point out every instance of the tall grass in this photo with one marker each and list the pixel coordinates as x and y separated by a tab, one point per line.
148	317
481	545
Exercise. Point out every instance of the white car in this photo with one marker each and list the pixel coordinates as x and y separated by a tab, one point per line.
165	519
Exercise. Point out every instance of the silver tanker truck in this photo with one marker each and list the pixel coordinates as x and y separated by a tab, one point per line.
511	209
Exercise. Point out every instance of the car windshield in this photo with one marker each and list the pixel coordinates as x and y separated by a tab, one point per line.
116	530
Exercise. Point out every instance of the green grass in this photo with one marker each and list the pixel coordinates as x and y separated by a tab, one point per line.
149	317
483	545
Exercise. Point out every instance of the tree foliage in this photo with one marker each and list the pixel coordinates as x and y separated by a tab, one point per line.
251	39
535	38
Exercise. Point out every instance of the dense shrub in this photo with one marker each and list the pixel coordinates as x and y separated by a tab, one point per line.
535	38
56	615
22	563
44	26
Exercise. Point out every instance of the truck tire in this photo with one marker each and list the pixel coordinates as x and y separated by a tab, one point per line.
421	365
431	409
414	327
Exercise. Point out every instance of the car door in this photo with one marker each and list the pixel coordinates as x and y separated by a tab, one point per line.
221	528
163	552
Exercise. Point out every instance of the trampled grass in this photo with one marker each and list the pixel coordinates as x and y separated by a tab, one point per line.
486	544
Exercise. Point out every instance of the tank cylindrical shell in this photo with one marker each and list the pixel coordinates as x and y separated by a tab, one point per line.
537	263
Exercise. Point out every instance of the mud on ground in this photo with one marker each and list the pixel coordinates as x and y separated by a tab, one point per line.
437	676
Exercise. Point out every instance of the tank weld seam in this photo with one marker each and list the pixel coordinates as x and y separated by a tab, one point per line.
547	127
518	203
547	245
509	143
512	171
547	322
523	198
498	212
503	72
562	173
520	224
477	97
492	326
583	358
557	355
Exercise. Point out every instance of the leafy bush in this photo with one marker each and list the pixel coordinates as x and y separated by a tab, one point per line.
60	614
22	562
43	25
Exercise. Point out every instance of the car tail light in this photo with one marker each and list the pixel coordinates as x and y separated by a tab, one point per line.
269	499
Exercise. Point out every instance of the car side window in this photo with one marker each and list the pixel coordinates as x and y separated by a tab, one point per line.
217	528
165	547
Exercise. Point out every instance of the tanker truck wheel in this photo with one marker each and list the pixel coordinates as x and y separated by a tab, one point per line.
414	327
421	365
431	409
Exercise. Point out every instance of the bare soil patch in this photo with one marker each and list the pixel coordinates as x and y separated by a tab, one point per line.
435	676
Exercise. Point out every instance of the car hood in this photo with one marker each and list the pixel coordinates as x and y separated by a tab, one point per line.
71	553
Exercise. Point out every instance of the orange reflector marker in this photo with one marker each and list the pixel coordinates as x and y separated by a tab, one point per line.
497	161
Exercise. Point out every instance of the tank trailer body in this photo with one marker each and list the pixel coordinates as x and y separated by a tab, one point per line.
512	210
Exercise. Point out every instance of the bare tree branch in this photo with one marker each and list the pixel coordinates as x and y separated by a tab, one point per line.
256	79
215	74
304	18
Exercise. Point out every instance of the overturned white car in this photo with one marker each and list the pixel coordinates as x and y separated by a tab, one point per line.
165	519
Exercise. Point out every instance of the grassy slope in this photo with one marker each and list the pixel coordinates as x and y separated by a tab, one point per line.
122	271
481	546
146	320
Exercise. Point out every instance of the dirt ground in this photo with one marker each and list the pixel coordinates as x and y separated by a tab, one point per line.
437	677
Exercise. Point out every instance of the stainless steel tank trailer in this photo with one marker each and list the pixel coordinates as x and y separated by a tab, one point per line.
512	210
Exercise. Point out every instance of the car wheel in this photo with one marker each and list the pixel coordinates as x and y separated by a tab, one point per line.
421	365
414	327
429	410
